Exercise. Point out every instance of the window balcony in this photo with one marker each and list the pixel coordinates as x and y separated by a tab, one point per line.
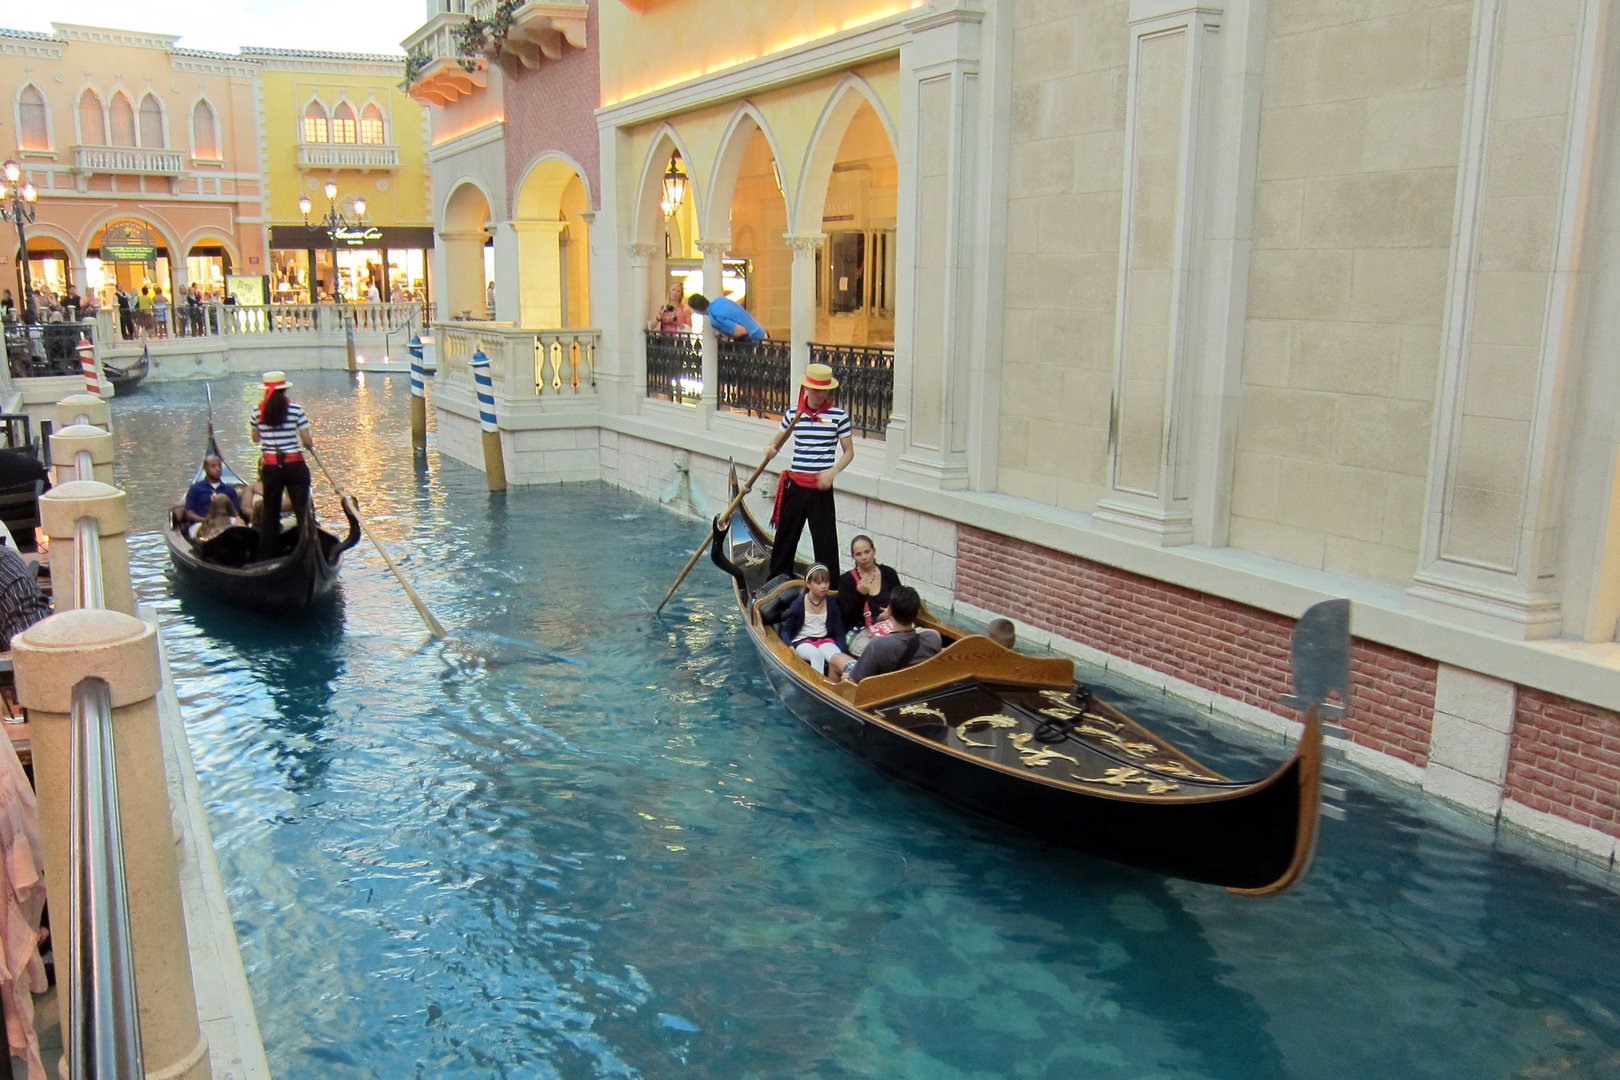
127	160
347	156
540	30
443	79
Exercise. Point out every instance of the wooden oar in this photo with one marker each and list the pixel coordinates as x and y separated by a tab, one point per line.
724	516
433	625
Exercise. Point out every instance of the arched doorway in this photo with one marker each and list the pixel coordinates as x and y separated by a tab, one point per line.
468	271
207	264
121	266
553	238
855	273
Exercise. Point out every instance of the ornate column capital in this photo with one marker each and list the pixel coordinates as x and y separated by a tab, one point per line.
643	253
805	244
714	248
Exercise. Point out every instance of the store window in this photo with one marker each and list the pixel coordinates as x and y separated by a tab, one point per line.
151	123
33	125
123	121
371	126
204	133
92	119
206	267
343	128
314	123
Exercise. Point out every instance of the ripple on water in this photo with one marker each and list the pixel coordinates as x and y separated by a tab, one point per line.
588	843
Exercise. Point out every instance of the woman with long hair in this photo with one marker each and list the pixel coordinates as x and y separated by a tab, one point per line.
282	431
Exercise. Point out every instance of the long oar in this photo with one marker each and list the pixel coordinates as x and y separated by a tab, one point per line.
724	516
433	625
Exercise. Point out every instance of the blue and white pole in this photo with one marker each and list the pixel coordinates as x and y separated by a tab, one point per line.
494	457
418	397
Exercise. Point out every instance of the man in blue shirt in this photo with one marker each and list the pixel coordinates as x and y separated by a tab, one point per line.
730	318
202	492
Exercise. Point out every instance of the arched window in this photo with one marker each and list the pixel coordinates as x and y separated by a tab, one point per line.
123	121
343	124
314	122
92	119
33	126
371	126
151	122
204	135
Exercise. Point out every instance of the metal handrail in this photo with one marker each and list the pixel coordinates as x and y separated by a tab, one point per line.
104	1030
103	1034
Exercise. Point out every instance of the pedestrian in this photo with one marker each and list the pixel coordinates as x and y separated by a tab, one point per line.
8	307
804	493
126	313
282	431
729	318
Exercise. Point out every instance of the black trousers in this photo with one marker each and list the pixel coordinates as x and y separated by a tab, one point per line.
801	505
293	478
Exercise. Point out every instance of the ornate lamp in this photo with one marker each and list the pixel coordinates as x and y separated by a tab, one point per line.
675	182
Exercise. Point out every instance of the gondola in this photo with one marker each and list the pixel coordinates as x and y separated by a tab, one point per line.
1015	738
222	566
126	379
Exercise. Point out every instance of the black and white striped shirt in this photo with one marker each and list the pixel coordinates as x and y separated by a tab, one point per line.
283	438
815	440
21	603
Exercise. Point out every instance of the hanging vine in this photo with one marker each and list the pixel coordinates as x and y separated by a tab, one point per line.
416	61
486	37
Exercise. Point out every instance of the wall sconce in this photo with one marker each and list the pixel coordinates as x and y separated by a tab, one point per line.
675	183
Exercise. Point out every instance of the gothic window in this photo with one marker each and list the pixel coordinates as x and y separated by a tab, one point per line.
314	122
343	127
33	126
371	126
151	122
92	119
123	121
204	135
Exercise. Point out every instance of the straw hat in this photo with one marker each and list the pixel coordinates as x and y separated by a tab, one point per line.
276	380
819	377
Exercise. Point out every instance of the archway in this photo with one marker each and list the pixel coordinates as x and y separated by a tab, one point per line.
465	234
553	238
671	238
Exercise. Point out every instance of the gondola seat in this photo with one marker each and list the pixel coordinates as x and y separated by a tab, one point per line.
776	596
235	547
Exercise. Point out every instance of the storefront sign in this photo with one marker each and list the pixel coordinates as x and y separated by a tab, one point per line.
127	241
373	237
358	235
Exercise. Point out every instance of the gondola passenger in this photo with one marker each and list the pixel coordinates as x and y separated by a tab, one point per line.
814	627
282	431
221	516
863	594
200	496
906	646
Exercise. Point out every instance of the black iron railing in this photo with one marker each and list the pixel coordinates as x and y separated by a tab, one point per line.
675	367
755	377
865	383
46	348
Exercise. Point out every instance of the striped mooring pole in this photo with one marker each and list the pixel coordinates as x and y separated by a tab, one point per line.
418	396
494	458
87	363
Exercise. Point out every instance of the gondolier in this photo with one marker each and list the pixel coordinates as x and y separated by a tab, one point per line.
282	431
805	492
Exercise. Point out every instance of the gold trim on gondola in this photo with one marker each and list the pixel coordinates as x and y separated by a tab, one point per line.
1176	768
1036	758
922	708
1125	775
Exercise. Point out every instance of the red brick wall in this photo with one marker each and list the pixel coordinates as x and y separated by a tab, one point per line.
1238	651
552	107
1565	760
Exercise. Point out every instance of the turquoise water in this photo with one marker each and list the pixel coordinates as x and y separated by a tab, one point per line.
589	843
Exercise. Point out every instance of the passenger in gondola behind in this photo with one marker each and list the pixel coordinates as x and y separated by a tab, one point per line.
814	627
282	430
907	645
200	496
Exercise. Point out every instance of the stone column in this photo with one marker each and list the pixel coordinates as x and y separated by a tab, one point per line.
641	300
804	298
1151	464
51	658
66	442
463	287
59	512
1510	368
540	274
713	252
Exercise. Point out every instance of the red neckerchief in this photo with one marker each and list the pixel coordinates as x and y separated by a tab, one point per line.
803	479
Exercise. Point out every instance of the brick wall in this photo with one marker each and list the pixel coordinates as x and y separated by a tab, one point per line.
1237	651
1565	760
552	107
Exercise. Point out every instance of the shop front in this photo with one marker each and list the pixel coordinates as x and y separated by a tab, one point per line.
126	255
383	262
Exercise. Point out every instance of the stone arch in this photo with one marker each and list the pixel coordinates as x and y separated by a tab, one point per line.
733	146
846	100
164	234
648	224
466	218
550	217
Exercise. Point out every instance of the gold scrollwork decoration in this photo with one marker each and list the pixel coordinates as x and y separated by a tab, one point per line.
1036	757
922	708
1176	768
1125	776
991	720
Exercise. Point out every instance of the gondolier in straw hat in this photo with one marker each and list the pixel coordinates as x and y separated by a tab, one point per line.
282	431
805	491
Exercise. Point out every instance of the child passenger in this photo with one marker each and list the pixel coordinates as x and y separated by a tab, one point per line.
814	626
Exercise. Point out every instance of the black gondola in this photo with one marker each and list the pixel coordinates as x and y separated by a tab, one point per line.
1016	739
224	566
126	379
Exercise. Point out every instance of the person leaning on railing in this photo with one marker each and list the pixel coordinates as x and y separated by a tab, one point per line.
729	318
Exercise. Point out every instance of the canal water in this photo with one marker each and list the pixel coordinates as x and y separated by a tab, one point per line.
581	842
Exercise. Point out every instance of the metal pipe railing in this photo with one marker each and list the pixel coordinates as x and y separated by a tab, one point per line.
103	1030
85	464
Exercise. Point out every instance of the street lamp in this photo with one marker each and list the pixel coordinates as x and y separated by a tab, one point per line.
333	220
17	206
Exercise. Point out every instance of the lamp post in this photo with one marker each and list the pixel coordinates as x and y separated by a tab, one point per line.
332	222
17	206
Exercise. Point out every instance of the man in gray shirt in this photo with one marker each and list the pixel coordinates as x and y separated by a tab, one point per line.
905	646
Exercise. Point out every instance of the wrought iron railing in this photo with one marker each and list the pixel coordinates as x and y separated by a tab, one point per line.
675	367
41	349
755	377
865	383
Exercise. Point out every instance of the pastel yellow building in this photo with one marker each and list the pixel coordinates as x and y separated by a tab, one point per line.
342	117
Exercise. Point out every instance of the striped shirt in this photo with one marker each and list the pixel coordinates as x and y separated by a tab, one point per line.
283	438
21	603
815	441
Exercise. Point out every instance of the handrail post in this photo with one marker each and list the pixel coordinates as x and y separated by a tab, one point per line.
59	512
52	658
84	409
68	442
